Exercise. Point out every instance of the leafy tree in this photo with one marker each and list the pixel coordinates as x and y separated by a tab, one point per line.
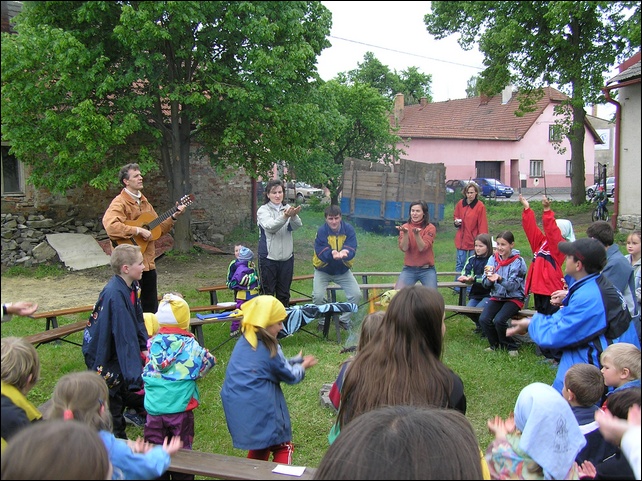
533	44
90	86
411	82
353	122
472	89
415	85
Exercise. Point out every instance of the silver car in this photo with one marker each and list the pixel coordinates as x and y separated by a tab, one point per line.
610	188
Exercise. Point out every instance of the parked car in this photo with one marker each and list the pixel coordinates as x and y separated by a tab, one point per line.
493	188
610	188
300	191
456	185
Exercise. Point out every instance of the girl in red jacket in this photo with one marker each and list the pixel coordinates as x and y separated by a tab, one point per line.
545	274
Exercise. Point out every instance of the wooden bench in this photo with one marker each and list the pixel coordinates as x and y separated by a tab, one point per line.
57	334
54	332
52	316
213	290
333	288
474	312
220	466
364	275
196	326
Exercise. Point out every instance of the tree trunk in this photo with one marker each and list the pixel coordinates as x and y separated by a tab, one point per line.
576	139
175	164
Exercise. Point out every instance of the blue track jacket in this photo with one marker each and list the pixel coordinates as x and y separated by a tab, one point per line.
594	315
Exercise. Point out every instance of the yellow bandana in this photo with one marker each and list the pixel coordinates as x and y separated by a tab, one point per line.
261	311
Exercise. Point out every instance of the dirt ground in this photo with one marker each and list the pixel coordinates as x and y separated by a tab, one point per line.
78	288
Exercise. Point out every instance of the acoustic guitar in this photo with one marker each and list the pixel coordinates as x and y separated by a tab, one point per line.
148	222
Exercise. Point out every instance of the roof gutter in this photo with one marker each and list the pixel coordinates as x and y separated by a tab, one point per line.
616	158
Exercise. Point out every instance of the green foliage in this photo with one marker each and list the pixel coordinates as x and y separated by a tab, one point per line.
353	122
410	82
90	86
540	43
316	204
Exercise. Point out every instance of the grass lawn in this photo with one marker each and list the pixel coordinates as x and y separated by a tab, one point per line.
492	381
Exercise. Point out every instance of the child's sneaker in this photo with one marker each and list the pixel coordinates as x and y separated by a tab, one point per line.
132	418
235	333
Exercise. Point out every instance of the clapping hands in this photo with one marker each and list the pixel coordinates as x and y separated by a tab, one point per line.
292	211
501	427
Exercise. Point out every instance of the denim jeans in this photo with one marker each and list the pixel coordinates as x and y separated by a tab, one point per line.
494	320
411	275
478	302
347	282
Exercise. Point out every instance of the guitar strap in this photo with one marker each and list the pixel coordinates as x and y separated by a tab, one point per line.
115	244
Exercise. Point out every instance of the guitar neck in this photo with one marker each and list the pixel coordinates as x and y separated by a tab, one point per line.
163	217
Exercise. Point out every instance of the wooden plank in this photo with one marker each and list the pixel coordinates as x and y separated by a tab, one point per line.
382	201
196	325
62	312
52	316
220	466
353	189
468	310
390	285
58	333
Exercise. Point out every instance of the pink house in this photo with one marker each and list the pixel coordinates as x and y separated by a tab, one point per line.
482	137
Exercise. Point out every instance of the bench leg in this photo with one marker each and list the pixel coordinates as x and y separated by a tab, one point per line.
326	325
462	296
52	323
213	298
198	333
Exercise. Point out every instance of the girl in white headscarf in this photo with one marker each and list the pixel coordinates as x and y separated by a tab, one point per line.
539	441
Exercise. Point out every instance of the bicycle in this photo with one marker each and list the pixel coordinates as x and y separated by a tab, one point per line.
601	212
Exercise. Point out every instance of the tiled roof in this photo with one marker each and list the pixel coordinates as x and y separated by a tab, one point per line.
630	73
473	118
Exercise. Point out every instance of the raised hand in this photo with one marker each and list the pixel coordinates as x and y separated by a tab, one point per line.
524	202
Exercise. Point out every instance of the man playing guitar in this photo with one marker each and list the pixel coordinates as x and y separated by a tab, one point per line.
120	223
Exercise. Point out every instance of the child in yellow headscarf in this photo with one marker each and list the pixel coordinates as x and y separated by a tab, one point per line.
255	410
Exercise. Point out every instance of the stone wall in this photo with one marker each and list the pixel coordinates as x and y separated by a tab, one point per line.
24	239
223	202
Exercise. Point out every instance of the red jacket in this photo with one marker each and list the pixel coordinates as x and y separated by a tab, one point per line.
473	222
545	274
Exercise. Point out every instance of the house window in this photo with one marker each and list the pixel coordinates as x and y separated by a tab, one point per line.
536	168
554	133
569	168
12	178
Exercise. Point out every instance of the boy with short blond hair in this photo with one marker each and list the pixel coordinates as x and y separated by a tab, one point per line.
20	373
621	366
584	389
115	339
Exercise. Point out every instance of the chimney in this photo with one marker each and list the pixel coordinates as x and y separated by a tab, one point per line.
398	108
594	110
507	94
423	101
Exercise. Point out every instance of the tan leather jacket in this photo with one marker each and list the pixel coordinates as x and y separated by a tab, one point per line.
125	208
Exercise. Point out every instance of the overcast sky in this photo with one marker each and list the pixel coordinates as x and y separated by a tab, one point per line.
396	34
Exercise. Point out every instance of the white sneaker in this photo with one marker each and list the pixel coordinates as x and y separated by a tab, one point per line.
513	353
